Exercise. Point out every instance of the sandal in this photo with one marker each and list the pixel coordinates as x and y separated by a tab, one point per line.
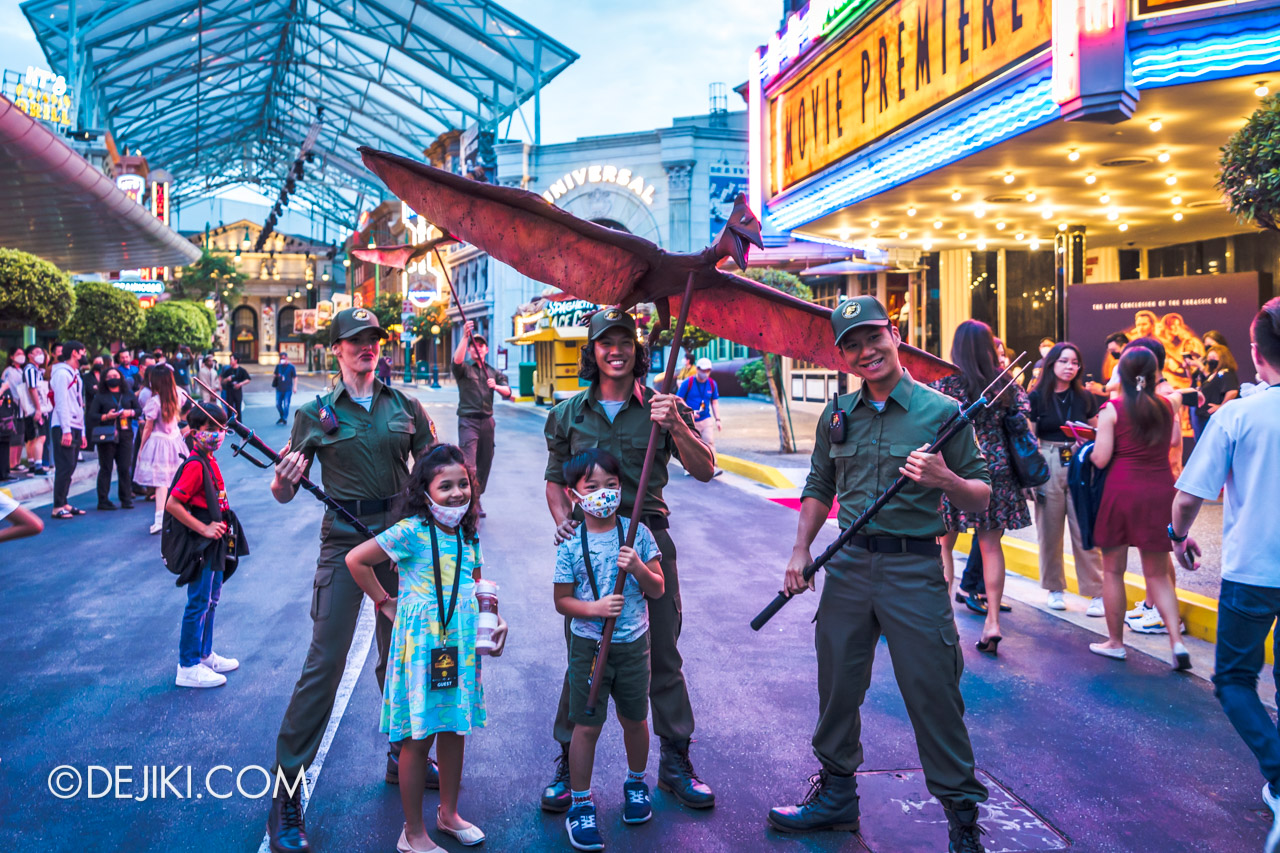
76	510
62	513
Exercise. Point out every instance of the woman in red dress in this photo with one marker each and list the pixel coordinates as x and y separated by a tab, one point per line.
1134	435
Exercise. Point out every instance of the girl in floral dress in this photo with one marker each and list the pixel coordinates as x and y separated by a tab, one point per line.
432	685
974	352
163	447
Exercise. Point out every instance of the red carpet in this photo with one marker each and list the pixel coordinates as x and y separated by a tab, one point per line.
794	503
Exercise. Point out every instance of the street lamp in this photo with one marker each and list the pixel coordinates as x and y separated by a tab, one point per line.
435	366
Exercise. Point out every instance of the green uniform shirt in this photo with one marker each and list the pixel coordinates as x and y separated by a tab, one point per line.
876	445
367	457
475	397
580	422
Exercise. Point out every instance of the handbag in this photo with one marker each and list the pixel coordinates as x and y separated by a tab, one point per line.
104	435
10	417
1029	467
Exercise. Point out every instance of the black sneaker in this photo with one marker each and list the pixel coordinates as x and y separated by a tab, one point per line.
964	832
636	803
556	796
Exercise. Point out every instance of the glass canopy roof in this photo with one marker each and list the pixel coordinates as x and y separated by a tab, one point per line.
224	92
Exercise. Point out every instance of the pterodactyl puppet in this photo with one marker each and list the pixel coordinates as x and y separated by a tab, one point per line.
608	267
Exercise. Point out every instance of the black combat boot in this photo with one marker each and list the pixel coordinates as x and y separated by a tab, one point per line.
963	830
432	774
832	803
677	777
285	826
556	796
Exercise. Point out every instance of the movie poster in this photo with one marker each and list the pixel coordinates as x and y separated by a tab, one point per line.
726	182
1176	311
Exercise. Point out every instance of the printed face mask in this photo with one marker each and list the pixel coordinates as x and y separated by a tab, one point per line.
209	442
449	516
601	503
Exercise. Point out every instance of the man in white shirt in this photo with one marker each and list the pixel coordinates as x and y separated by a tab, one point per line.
68	424
1240	449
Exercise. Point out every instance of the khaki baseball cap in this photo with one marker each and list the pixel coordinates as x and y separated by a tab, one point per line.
610	318
352	321
855	312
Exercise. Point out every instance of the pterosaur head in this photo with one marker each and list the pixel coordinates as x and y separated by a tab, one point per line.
740	233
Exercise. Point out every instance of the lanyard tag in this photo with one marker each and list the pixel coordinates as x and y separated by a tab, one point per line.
444	668
836	428
1064	454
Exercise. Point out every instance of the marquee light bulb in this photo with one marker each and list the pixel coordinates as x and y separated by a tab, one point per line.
1073	155
1171	180
1177	217
875	223
911	211
1090	178
1163	156
1047	213
1104	198
1019	236
981	245
902	235
1177	199
1031	197
1262	91
927	245
1124	226
1062	226
844	234
1008	177
955	195
1034	245
1113	214
1155	125
937	225
979	212
963	235
1000	226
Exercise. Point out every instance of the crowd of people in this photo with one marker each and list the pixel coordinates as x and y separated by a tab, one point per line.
423	566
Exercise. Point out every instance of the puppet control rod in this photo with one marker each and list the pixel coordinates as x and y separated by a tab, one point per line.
251	439
606	633
457	301
950	429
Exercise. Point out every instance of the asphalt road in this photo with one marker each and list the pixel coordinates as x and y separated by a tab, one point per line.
1091	755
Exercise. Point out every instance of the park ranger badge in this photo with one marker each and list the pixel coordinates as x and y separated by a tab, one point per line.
851	310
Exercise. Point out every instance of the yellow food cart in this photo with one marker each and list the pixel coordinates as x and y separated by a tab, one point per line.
554	330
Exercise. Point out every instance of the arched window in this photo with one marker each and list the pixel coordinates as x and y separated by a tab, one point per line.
244	333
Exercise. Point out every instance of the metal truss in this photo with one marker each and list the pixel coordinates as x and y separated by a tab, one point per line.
221	92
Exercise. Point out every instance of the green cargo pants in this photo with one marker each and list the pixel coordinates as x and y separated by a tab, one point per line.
335	608
903	597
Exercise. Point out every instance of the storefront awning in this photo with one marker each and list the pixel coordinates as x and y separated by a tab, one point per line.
551	333
57	206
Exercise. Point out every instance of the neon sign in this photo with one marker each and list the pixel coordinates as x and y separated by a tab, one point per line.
141	288
597	175
134	186
43	95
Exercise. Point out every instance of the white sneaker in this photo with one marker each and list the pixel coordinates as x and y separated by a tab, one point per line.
157	527
199	676
1136	613
1273	803
1055	601
218	663
1096	608
1150	623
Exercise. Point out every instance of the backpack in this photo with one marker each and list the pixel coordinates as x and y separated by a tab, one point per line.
1084	484
183	550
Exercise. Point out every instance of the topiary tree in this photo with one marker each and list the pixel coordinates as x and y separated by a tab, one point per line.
753	377
694	337
171	324
33	292
104	314
772	364
1250	167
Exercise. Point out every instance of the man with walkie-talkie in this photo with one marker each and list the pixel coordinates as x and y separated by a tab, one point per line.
888	580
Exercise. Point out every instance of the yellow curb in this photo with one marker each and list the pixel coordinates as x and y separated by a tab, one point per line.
766	474
1198	611
8	494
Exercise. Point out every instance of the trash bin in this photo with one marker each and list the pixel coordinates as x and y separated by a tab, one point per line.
526	377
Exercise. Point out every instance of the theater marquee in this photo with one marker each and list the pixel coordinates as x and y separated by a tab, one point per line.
908	59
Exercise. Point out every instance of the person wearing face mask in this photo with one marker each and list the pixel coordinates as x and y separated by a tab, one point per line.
363	433
15	384
1221	385
218	544
1057	399
37	389
68	425
615	413
114	407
